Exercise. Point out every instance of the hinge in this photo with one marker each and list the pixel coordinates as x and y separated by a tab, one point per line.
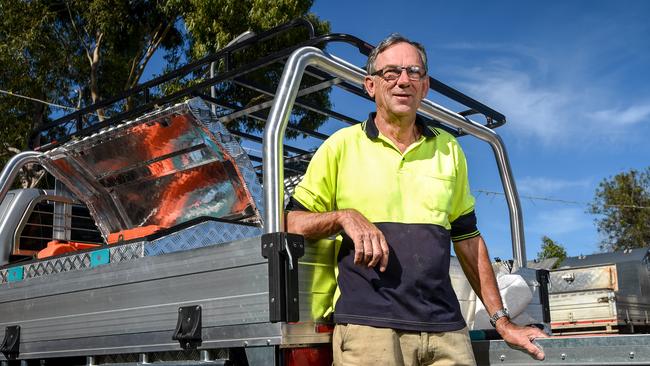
283	250
188	327
543	278
11	343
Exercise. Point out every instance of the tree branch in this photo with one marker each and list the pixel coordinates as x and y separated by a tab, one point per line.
81	39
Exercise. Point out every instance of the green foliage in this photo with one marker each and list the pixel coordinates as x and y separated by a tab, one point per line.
623	206
214	23
552	249
72	53
77	52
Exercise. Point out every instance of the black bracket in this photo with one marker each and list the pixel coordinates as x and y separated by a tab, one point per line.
11	343
543	278
188	327
283	251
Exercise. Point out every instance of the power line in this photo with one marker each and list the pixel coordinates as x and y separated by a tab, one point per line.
557	200
37	100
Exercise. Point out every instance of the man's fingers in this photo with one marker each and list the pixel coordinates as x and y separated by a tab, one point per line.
534	351
376	252
358	250
385	253
367	250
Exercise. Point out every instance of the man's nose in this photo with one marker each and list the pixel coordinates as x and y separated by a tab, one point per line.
403	79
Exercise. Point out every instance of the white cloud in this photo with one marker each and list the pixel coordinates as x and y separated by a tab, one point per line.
623	116
542	103
541	186
532	111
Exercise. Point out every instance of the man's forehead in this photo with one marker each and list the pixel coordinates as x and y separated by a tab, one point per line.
393	55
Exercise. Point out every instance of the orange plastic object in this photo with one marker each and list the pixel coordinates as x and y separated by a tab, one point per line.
56	247
136	232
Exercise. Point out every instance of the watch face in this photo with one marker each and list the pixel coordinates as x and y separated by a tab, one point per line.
498	315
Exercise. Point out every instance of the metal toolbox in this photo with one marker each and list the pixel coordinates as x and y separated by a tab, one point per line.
607	292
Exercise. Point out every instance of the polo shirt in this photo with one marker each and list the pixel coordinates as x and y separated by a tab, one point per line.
419	199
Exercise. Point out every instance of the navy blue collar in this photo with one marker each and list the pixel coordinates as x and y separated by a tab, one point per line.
371	130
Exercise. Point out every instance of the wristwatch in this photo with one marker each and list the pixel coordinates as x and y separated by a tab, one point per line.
498	315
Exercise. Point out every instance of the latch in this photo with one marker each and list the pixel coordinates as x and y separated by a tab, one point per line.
283	250
569	277
11	343
188	327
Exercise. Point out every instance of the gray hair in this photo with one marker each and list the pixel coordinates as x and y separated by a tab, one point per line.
393	39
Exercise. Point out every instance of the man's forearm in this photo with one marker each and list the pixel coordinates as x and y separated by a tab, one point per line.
473	256
313	225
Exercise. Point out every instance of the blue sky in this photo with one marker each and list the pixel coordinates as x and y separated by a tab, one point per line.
571	77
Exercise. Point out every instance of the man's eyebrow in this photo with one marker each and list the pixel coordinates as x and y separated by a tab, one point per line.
391	65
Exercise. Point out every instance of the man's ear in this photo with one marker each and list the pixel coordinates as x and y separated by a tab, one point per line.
369	84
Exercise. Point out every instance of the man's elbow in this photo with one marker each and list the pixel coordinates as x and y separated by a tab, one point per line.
292	222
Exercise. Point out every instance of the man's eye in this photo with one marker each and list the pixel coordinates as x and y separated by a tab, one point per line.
391	73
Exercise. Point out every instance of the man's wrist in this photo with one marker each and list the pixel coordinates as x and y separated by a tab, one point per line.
498	315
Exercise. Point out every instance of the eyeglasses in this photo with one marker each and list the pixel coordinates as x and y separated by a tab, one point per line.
392	73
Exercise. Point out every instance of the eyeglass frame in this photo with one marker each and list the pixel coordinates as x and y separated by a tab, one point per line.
421	75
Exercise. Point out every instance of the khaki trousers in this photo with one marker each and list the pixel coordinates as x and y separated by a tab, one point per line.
358	345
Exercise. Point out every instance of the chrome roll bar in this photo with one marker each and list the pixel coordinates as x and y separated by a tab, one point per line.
278	120
11	169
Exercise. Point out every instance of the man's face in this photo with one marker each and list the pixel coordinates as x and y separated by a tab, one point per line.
401	97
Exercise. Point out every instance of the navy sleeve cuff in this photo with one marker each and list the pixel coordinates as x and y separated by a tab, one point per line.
464	227
294	205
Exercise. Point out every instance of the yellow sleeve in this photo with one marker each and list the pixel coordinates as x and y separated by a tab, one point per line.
317	190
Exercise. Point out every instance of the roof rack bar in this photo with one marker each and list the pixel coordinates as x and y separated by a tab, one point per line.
299	102
258	116
186	69
267	104
260	140
139	110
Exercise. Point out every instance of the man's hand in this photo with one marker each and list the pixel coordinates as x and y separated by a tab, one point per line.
521	337
370	246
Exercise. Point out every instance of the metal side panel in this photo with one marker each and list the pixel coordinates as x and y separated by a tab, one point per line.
583	279
316	286
577	309
633	309
603	350
133	306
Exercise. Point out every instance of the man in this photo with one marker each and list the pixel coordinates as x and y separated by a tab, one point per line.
398	191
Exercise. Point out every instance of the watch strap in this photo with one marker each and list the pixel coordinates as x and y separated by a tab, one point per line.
501	313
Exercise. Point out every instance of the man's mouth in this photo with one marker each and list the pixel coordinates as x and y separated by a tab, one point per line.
402	95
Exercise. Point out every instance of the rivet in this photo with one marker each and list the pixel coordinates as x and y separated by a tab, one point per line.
563	356
268	342
631	354
502	358
245	343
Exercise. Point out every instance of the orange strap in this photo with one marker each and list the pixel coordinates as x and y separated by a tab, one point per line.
56	247
129	234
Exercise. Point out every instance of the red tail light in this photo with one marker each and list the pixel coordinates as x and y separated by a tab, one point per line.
309	356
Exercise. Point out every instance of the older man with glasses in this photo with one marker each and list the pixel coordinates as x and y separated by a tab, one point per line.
396	189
